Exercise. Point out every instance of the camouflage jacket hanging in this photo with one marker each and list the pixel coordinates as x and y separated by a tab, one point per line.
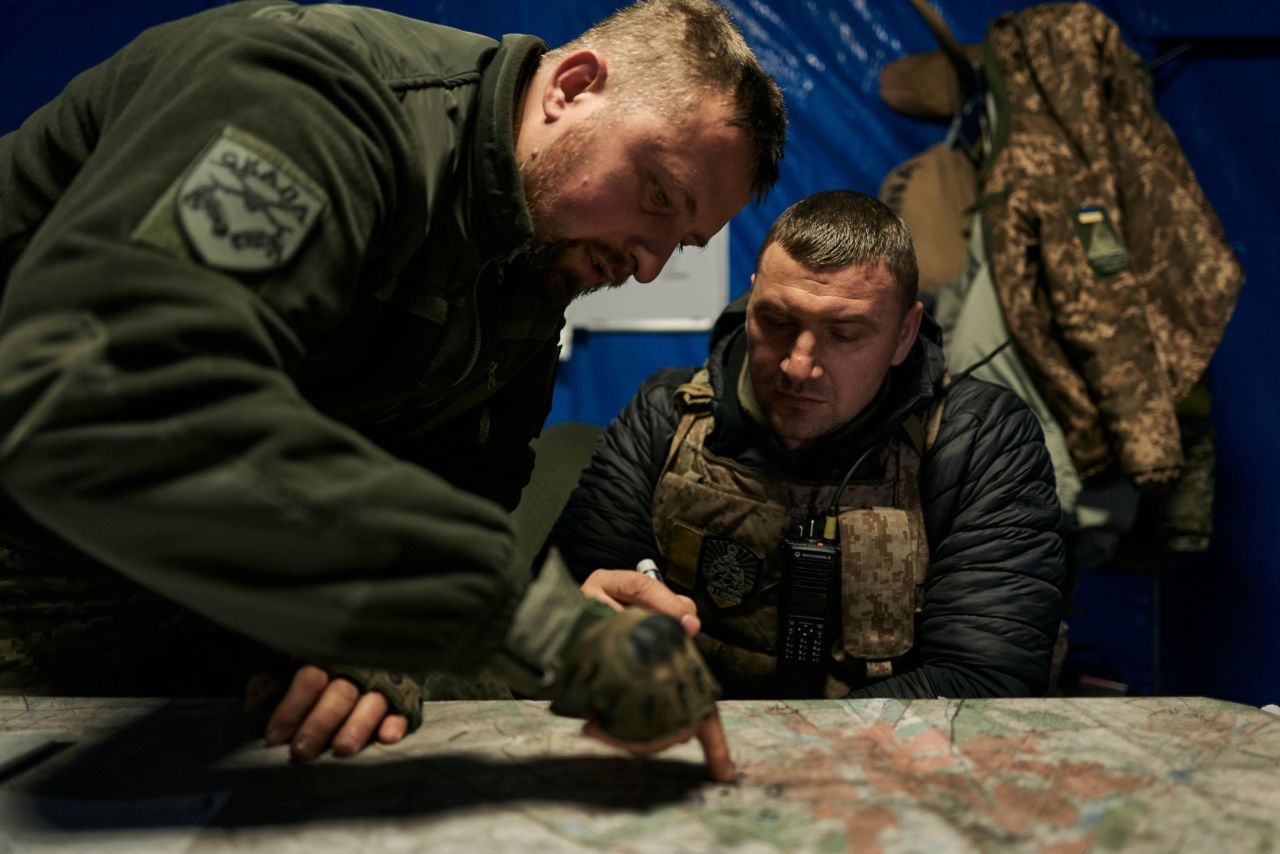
1111	267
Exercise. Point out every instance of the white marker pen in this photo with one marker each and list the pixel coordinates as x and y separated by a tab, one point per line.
649	568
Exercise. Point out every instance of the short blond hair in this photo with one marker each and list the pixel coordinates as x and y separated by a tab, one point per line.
674	53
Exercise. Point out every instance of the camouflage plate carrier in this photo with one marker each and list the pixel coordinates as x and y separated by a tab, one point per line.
718	524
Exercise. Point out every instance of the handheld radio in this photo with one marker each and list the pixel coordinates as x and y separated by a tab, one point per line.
811	576
810	596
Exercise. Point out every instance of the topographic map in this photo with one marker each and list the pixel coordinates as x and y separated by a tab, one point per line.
1052	775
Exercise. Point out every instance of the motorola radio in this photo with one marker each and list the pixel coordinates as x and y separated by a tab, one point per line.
810	588
807	606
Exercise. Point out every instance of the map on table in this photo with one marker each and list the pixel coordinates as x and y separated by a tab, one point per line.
870	775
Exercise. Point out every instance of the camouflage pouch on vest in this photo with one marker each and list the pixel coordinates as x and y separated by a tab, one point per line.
879	559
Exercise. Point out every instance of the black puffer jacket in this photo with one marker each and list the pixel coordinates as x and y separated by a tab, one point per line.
995	594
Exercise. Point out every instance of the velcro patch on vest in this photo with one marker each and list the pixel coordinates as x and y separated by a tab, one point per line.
682	555
729	569
246	207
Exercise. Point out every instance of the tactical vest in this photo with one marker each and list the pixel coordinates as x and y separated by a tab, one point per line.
718	524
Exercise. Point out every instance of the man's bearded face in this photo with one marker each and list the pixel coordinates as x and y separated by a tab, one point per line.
620	187
556	262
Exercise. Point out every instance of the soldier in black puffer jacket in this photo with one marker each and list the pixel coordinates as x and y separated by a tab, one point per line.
951	575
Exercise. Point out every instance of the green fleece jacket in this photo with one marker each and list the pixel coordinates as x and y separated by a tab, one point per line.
264	344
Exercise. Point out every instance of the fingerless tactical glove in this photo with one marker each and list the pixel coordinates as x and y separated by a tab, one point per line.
403	693
636	672
640	675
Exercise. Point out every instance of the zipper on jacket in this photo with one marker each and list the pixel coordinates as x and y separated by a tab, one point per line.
477	323
475	344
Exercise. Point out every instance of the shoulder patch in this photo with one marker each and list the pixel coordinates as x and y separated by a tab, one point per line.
245	206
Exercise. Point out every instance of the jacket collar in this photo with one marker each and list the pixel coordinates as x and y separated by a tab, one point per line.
498	215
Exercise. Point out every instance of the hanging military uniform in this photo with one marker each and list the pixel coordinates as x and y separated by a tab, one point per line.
1112	269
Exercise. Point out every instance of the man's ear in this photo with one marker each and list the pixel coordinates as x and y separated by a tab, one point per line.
582	72
907	332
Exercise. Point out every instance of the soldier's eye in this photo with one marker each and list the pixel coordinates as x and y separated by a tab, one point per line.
658	195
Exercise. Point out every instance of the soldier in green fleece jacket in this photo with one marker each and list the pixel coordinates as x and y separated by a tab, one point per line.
282	293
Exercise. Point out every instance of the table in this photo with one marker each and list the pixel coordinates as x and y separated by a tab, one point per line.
1057	775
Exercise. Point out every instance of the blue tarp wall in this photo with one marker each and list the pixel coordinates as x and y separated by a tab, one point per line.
1206	627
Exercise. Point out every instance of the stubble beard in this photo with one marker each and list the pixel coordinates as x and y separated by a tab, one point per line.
795	427
547	259
549	271
802	428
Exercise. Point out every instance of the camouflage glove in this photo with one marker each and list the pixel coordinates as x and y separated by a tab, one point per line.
637	672
640	674
403	693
